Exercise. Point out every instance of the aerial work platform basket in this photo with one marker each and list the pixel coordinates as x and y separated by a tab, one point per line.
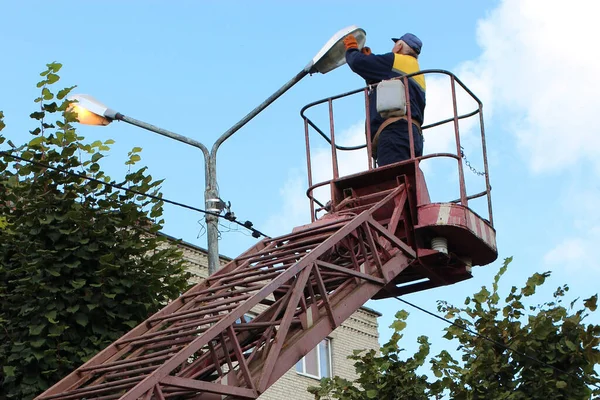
448	237
380	236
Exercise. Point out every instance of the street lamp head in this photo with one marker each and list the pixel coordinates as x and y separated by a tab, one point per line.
90	111
333	54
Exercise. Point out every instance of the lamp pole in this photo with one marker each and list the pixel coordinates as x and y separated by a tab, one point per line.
91	112
211	192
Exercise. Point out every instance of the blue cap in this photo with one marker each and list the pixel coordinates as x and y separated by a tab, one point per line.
411	40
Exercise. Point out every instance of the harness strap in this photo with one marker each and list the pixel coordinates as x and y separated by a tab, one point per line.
384	125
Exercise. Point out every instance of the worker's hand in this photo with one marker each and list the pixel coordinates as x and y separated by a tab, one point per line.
366	51
350	42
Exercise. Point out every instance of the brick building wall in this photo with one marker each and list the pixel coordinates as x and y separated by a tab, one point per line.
358	332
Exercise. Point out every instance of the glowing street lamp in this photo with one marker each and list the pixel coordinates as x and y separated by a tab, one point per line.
91	112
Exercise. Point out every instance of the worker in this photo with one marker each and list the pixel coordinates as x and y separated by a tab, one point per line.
390	138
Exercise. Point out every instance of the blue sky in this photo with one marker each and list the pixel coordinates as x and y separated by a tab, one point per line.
197	67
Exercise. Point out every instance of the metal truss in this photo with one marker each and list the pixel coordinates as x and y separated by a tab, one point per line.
304	285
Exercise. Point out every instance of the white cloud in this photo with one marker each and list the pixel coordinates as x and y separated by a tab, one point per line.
442	138
541	80
295	210
571	253
538	60
440	107
538	80
578	249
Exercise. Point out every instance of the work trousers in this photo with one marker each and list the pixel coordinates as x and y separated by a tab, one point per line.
394	145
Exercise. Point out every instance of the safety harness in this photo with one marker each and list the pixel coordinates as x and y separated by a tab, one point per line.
391	105
384	125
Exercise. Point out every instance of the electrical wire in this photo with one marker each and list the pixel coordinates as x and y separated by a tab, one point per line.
248	225
493	341
232	229
202	229
226	229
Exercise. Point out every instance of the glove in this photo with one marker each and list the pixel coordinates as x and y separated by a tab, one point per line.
366	51
350	42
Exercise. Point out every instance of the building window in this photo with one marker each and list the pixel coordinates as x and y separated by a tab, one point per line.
247	318
317	363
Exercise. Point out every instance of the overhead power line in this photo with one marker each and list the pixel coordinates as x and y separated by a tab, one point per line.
247	224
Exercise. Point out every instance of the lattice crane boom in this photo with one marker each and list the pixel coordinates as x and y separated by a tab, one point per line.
378	239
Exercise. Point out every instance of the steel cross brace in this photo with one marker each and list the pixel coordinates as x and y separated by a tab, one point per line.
307	284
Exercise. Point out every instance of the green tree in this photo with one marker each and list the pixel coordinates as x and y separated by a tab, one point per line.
381	376
513	351
543	351
81	263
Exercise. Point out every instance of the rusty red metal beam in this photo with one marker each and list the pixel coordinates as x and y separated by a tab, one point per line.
201	347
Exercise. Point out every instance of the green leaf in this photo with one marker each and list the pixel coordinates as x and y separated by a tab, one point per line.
561	384
50	107
501	272
9	371
398	325
39	355
482	295
372	394
47	94
36	329
131	324
56	330
37	115
78	283
64	92
535	280
81	319
52	78
591	303
97	157
51	316
73	309
38	343
73	264
54	66
37	141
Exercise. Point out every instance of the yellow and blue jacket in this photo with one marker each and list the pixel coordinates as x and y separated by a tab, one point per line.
375	68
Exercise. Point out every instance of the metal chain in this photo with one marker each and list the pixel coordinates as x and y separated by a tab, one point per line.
468	164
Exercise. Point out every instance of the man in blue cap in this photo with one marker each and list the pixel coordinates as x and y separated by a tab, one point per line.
390	136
